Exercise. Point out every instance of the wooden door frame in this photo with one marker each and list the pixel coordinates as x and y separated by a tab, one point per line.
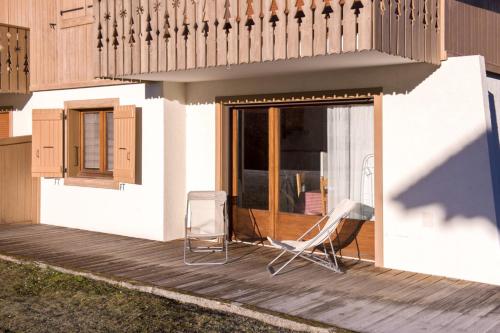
274	166
224	128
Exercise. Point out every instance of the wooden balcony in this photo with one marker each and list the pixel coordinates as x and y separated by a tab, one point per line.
14	59
135	38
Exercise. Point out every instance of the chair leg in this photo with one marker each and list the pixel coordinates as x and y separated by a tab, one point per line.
227	249
224	248
270	265
270	269
336	264
185	246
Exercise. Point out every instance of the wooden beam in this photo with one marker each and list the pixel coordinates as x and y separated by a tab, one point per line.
218	144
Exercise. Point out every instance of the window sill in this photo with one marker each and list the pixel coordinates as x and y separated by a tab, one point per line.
92	182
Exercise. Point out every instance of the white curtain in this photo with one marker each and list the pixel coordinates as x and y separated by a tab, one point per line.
350	157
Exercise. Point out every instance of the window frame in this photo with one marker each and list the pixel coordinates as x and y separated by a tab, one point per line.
85	178
103	170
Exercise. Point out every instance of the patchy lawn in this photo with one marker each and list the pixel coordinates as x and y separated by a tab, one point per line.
42	300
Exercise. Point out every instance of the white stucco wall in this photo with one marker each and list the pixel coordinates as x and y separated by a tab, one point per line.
136	211
439	215
189	159
189	154
439	209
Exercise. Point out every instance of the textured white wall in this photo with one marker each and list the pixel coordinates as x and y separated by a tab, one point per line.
136	211
200	153
175	160
189	159
439	209
189	154
439	215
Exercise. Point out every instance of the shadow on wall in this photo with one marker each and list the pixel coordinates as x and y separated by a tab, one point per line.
15	101
395	79
494	149
492	5
154	90
461	185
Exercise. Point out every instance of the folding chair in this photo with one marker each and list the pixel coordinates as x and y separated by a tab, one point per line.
206	220
298	248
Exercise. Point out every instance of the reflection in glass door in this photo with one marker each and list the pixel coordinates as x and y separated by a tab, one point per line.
325	155
251	215
303	147
253	159
293	164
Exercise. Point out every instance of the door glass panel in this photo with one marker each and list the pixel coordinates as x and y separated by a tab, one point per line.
302	144
253	158
326	155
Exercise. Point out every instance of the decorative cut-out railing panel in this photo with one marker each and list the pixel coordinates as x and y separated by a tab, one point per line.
14	59
150	36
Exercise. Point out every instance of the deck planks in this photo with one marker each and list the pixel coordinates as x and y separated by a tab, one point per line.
365	298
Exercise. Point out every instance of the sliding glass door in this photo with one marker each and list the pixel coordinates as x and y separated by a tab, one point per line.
294	163
325	156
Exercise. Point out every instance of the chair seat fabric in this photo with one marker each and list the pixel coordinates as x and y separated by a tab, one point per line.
199	233
290	245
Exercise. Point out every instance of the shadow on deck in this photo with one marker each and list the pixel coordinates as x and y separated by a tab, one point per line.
364	298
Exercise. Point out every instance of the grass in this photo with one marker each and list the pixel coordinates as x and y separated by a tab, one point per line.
43	300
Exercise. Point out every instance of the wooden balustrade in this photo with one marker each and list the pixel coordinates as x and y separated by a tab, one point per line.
149	36
14	59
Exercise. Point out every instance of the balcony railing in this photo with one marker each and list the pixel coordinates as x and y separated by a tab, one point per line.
14	59
150	36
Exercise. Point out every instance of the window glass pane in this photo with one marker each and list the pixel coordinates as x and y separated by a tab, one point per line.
302	145
351	163
109	140
91	141
253	159
326	155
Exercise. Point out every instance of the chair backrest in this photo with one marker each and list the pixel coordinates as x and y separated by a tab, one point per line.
206	211
342	210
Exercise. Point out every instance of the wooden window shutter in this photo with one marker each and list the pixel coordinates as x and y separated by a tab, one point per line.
47	143
4	125
125	118
73	143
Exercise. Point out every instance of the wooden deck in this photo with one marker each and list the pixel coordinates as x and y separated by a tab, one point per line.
365	298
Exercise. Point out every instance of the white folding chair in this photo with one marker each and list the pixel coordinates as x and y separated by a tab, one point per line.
206	220
299	247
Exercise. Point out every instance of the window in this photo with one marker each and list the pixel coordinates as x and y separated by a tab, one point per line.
96	137
89	143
